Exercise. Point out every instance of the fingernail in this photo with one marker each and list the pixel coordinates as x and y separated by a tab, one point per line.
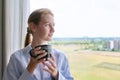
44	51
39	47
48	58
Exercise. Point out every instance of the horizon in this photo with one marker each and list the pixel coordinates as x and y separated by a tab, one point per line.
86	37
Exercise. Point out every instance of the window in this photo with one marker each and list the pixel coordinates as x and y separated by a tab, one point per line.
88	31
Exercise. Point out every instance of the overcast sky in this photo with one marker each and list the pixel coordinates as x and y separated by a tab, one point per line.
83	18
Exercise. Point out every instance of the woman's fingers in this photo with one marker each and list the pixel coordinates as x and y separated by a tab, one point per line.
53	63
41	55
50	66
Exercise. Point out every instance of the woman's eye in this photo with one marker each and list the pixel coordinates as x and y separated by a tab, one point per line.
47	24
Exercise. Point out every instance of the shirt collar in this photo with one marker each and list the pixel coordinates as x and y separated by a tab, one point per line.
27	48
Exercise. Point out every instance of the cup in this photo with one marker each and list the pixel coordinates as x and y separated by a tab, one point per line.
47	49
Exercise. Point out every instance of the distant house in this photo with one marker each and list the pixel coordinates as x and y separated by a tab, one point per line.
113	45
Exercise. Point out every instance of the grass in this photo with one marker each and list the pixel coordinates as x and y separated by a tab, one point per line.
91	65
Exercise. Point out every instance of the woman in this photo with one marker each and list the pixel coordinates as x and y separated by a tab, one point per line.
24	67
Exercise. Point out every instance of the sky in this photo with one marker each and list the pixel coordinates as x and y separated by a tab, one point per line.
83	18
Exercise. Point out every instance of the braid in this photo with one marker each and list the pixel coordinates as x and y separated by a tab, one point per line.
28	39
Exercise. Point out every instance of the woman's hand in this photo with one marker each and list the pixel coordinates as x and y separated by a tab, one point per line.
34	61
51	67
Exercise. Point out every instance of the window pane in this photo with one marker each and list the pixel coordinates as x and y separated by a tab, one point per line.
88	31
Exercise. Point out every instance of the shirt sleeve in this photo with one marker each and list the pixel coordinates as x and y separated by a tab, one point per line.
12	71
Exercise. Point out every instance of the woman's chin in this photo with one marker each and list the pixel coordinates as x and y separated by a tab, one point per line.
49	39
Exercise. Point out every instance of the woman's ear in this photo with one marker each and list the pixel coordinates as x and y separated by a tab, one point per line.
32	27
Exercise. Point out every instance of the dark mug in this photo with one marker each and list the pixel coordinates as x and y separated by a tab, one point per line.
47	49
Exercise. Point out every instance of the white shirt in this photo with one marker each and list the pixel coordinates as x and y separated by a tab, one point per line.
16	68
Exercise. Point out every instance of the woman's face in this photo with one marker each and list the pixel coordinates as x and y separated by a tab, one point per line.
44	31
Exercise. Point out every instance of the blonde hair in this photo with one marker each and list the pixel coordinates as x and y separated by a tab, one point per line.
35	17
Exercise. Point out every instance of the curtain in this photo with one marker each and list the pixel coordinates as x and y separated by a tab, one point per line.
14	27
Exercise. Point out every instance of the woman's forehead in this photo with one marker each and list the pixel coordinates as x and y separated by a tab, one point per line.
47	18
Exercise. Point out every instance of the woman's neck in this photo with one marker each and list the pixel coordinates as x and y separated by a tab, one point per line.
36	43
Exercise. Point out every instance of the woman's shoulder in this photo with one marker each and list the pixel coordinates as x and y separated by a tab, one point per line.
21	52
17	54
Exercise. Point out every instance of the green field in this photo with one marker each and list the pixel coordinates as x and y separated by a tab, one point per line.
92	65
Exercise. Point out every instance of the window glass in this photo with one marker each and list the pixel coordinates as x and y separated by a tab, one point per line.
88	32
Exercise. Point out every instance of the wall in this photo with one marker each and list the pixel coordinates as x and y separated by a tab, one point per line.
0	39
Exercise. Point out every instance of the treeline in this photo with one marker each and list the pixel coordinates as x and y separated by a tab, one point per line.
87	43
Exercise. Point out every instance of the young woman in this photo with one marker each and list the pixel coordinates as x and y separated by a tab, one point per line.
24	67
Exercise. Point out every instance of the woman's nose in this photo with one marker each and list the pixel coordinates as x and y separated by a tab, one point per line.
52	29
